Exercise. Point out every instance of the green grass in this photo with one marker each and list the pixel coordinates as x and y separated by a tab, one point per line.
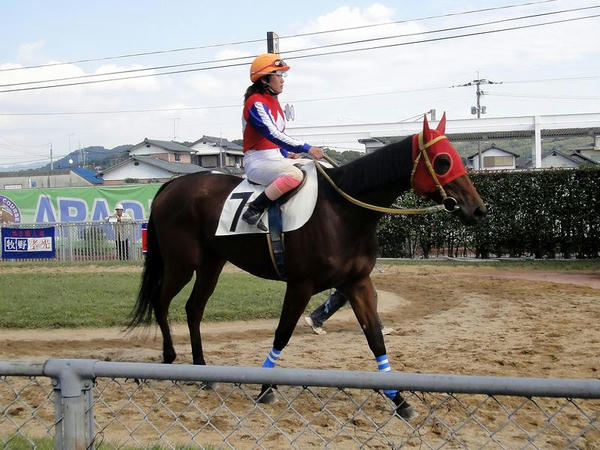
70	300
96	299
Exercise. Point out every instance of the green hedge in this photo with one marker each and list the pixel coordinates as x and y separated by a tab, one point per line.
545	214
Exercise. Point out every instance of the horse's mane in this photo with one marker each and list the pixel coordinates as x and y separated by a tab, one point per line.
389	165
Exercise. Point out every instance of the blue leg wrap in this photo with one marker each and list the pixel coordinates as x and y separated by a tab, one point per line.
384	366
272	358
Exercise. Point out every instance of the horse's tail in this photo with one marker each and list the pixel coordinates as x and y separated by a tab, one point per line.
152	277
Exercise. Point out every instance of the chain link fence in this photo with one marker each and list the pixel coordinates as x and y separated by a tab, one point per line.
93	404
94	241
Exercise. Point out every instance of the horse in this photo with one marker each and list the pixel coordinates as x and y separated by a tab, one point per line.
336	248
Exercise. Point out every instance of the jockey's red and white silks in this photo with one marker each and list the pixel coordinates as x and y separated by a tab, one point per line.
264	124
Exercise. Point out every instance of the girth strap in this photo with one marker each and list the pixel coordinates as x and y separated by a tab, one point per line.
275	239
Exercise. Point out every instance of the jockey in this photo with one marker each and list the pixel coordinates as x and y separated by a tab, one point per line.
268	152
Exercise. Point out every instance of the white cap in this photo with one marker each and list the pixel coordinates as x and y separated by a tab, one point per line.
118	206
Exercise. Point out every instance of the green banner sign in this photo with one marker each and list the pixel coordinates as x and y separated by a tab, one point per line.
75	204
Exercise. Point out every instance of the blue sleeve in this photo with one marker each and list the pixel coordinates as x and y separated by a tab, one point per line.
259	118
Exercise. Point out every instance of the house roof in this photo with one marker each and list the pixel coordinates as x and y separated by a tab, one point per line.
171	146
221	142
493	147
585	160
88	175
173	167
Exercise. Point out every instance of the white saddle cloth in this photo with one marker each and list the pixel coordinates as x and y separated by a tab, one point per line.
295	212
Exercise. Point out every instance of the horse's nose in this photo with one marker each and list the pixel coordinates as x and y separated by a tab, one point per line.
480	212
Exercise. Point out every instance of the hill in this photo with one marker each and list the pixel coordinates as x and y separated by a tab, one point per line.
94	157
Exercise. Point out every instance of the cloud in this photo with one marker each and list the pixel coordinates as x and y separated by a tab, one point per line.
554	51
27	53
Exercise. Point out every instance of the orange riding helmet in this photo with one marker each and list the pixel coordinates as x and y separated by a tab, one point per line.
265	64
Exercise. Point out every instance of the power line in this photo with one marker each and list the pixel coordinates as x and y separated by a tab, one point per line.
305	100
551	97
251	41
361	41
313	55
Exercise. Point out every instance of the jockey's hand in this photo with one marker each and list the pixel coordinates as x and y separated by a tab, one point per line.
316	152
293	155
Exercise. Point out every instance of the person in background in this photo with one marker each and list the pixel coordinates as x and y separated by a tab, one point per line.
335	301
269	153
122	231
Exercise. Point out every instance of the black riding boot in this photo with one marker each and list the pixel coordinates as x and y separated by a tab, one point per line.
256	209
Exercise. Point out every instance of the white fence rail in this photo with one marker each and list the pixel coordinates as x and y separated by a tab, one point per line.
94	241
136	405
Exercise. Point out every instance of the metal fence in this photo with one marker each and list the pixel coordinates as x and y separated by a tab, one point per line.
94	404
94	241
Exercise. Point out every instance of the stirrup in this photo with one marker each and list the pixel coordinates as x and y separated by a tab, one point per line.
252	218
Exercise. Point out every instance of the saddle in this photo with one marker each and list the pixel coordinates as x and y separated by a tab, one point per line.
296	206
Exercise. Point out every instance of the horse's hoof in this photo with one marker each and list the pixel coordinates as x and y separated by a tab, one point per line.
403	409
169	356
406	412
208	385
267	397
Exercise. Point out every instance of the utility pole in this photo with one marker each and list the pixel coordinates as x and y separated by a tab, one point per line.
175	119
478	110
272	42
51	165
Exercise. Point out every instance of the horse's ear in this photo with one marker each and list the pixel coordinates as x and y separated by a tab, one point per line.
441	128
425	126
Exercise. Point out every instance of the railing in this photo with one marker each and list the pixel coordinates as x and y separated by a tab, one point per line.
135	405
94	241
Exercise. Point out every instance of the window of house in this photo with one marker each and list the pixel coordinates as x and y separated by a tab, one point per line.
209	161
177	157
497	161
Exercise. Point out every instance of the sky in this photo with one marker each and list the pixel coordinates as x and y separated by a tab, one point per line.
551	69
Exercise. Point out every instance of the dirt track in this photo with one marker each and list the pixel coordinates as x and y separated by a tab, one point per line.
494	316
473	321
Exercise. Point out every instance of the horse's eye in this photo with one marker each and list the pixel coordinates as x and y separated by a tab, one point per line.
442	164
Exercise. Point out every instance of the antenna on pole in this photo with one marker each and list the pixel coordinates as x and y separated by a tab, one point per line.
479	109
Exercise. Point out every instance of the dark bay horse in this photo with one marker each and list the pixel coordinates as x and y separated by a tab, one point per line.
336	248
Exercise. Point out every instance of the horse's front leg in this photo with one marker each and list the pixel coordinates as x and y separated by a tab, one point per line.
362	297
297	296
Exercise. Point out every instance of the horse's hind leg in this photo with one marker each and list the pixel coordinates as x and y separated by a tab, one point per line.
174	280
207	275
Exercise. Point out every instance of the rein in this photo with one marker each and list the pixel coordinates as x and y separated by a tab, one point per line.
449	203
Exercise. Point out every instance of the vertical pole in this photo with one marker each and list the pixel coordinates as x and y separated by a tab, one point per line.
51	165
272	42
74	414
537	144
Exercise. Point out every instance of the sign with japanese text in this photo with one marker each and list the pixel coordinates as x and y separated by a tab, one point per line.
24	243
75	204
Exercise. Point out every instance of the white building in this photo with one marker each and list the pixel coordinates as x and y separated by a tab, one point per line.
146	169
493	158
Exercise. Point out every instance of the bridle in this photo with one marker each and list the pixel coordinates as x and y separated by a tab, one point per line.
448	203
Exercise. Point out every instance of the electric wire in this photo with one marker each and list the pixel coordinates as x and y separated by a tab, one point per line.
156	52
337	52
551	97
305	100
361	41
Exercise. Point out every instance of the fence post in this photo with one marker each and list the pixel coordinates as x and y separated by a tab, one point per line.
73	381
